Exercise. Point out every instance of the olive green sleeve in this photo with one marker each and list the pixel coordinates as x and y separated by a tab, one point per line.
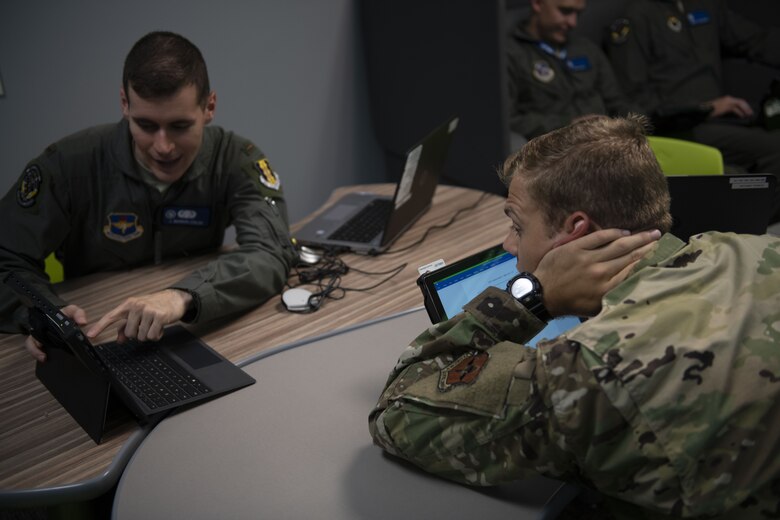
525	116
629	51
248	275
743	38
35	216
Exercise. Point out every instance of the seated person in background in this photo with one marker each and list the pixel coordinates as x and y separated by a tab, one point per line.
668	53
158	184
666	400
554	79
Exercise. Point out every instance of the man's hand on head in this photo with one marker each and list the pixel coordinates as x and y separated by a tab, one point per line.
144	317
34	346
576	275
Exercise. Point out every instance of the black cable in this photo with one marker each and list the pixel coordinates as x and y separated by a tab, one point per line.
331	268
438	226
395	272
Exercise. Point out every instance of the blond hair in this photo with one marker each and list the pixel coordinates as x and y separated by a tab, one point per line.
600	165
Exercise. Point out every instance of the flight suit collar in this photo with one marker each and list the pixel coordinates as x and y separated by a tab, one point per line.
123	153
202	161
521	34
122	150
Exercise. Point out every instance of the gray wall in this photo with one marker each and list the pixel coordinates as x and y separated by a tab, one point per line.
289	75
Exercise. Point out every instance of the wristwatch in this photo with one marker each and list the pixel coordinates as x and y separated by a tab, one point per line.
527	290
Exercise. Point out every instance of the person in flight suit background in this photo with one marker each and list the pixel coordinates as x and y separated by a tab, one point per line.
159	184
666	400
554	79
669	52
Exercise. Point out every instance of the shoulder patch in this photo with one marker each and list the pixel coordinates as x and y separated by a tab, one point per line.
477	381
619	31
29	186
674	23
268	177
463	371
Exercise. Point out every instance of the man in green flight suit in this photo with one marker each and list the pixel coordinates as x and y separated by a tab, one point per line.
159	184
666	400
669	53
554	79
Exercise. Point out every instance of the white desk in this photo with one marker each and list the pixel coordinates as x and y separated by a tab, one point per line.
296	445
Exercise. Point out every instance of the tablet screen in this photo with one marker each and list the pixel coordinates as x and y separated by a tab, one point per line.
459	288
449	289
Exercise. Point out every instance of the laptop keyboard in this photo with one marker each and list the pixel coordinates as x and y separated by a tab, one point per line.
365	224
150	376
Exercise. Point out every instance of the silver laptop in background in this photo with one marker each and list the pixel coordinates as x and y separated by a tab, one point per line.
368	223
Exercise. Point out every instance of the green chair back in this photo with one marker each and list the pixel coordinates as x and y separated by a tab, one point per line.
53	268
680	157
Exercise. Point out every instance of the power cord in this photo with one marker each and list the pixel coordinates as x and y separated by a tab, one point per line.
326	277
438	226
325	274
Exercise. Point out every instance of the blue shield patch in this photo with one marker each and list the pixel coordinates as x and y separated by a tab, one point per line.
123	227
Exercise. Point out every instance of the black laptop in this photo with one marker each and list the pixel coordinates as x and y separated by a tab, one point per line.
369	223
736	203
447	289
150	379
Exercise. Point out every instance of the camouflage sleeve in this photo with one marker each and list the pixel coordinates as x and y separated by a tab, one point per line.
613	449
461	402
668	398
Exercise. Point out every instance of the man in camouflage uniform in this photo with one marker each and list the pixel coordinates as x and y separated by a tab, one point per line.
159	184
554	79
666	400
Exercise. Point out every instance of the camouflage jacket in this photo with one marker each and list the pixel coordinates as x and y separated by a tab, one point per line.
667	402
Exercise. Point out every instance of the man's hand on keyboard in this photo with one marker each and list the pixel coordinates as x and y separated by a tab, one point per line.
144	317
34	346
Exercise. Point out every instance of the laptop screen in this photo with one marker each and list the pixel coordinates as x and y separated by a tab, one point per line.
448	289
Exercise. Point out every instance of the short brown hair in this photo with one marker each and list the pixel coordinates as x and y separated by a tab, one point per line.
161	63
602	166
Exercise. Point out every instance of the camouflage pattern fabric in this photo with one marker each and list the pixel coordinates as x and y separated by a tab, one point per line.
666	402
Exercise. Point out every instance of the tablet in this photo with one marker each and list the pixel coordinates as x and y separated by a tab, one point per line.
448	289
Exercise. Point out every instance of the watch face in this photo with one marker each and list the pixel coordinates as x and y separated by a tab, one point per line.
520	287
